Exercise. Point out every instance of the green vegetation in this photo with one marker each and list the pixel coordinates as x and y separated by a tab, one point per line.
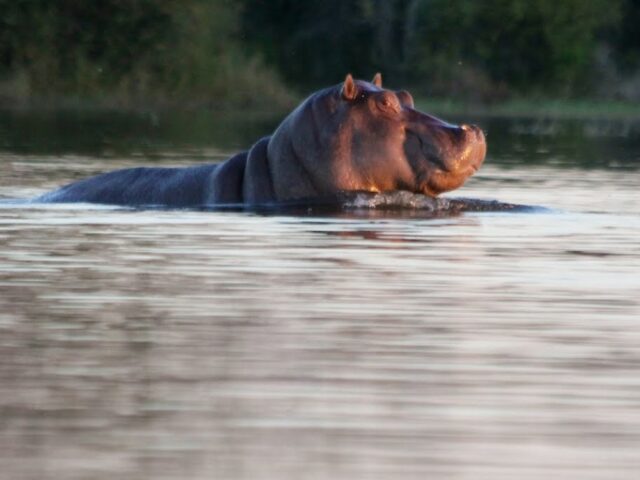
254	53
125	52
539	108
523	46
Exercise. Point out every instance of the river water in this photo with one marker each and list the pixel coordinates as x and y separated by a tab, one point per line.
192	344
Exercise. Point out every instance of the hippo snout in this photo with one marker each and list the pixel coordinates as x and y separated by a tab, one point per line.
465	153
449	164
477	146
475	132
474	129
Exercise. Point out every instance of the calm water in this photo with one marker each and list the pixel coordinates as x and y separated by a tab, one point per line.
181	344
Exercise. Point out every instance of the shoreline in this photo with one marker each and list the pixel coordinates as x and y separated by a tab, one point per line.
555	109
549	108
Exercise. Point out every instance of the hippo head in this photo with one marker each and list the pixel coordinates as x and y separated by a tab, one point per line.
358	136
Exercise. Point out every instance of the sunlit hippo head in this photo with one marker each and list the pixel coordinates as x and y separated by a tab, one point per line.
358	136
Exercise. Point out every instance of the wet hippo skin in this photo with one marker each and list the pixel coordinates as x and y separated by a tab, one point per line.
352	137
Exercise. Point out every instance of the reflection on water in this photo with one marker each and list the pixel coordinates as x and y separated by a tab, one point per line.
181	344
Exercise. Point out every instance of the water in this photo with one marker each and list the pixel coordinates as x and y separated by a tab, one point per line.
185	344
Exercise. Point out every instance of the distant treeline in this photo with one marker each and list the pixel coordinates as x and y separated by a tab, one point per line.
244	52
486	48
131	51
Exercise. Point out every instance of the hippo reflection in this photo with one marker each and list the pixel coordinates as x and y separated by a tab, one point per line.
353	137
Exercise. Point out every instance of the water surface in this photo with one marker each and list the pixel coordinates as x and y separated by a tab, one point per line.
187	344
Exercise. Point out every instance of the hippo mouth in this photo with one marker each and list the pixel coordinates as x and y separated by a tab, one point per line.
476	148
445	159
429	152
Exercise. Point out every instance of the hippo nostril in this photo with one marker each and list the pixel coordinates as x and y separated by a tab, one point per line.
470	128
473	129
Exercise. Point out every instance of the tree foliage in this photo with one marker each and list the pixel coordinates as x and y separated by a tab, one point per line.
313	43
188	48
500	46
521	45
226	49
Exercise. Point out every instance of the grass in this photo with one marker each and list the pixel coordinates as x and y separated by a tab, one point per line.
251	87
535	108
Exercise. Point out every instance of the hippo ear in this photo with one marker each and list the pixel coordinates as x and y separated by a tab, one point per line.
349	89
377	80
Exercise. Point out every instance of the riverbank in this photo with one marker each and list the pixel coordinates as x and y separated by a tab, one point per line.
535	108
279	101
274	98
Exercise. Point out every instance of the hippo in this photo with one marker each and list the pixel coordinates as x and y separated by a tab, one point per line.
353	137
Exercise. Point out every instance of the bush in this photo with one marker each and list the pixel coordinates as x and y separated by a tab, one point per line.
166	50
522	46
